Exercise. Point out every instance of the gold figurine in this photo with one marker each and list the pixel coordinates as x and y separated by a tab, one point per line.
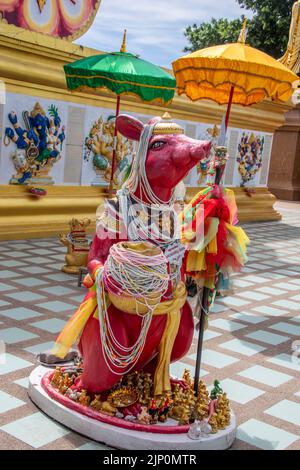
202	402
77	244
84	398
57	377
108	409
96	403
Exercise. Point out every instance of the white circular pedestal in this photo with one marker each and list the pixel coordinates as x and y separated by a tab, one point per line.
118	437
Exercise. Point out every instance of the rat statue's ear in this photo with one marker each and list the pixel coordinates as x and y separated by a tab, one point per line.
129	126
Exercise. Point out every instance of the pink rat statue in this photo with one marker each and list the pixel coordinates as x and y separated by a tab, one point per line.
164	158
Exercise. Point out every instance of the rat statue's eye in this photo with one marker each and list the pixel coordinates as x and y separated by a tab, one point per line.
157	145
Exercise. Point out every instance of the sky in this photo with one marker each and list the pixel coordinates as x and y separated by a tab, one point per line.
154	27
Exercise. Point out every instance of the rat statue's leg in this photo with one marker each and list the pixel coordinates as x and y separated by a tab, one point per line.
185	334
97	375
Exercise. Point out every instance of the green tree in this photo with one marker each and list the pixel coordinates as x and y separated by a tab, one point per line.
268	27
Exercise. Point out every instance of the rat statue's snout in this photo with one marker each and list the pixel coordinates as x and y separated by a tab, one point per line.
199	150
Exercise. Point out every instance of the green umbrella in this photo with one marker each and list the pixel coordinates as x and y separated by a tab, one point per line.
121	73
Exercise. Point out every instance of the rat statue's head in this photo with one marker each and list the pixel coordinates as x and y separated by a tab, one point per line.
164	158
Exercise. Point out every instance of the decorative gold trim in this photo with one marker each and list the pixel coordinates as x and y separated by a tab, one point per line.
166	130
86	89
125	82
211	69
182	91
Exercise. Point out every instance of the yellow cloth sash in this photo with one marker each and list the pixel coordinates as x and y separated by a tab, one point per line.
74	327
171	308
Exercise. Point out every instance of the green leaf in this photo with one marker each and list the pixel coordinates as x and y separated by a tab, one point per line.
53	111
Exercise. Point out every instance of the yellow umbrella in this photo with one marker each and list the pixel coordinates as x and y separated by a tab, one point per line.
230	74
210	73
233	74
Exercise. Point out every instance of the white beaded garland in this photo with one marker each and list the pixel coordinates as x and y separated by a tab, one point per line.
140	277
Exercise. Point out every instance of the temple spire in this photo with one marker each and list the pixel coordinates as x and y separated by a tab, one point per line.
291	58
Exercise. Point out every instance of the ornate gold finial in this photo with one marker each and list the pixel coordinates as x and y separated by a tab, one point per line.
123	47
292	54
41	4
244	31
167	116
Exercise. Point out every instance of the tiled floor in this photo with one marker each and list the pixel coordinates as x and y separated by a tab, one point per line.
252	345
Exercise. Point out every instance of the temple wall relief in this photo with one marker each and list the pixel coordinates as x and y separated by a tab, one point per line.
48	142
33	141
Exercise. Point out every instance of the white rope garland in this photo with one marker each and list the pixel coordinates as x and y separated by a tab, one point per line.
139	277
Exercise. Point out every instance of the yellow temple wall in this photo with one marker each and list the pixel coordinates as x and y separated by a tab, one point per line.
31	66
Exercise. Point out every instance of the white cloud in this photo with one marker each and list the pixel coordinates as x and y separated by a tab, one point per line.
155	27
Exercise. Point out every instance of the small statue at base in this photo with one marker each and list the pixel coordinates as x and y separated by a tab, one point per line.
84	398
57	377
220	416
202	402
144	417
187	377
216	391
177	406
214	424
108	409
164	409
185	415
223	412
144	387
73	395
96	403
153	411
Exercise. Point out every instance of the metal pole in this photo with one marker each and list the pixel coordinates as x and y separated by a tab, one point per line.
113	164
203	310
229	107
206	291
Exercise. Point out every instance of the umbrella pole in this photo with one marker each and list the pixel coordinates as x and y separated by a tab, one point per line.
229	107
201	325
205	294
113	164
